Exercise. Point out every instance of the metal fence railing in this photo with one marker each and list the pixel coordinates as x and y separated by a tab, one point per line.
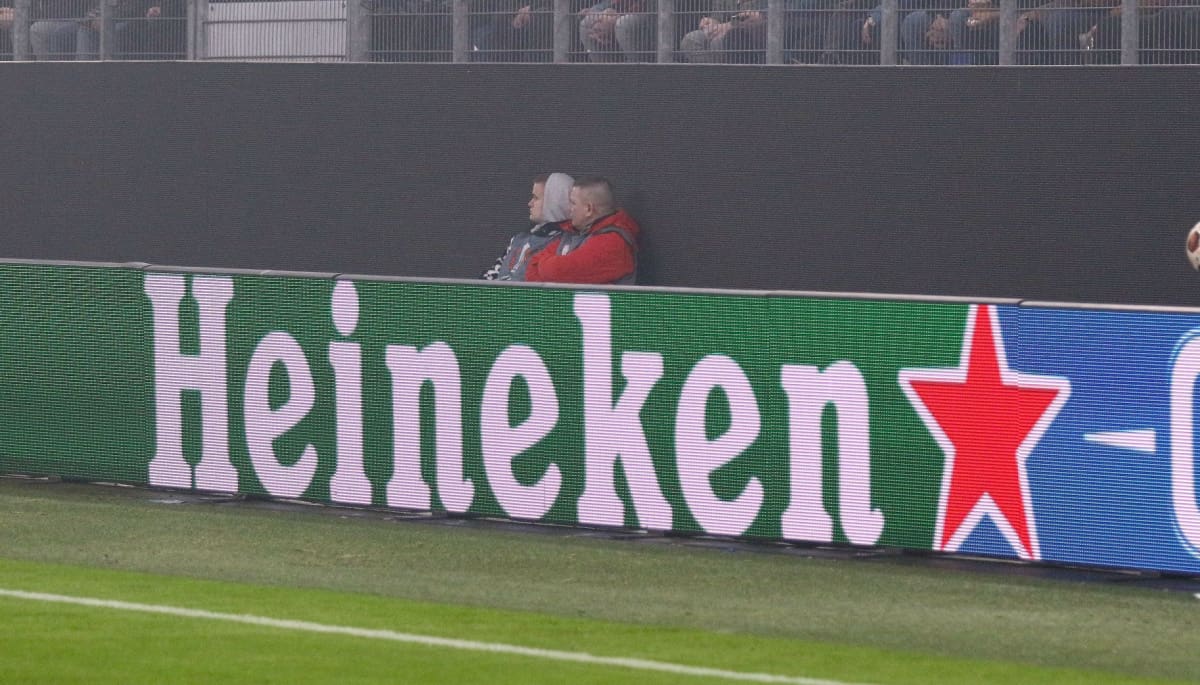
852	32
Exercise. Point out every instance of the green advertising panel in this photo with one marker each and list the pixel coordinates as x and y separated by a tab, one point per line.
1041	433
774	417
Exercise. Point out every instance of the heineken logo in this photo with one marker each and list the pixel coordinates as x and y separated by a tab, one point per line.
614	441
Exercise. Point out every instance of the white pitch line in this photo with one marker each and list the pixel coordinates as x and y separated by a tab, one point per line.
1138	440
428	640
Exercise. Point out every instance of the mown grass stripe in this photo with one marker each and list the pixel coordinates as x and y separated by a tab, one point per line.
427	640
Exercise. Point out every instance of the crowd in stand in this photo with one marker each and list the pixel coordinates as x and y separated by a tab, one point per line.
705	31
70	29
814	31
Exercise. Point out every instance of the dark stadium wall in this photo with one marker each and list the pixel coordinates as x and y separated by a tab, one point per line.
1074	184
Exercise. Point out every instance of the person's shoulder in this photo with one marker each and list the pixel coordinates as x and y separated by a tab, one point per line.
623	220
521	237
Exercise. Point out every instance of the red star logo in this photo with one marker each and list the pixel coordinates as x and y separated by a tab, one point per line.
987	419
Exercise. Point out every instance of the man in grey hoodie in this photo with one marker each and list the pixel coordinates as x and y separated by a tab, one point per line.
547	211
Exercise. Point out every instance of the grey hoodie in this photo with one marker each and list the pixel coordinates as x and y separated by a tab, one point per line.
511	265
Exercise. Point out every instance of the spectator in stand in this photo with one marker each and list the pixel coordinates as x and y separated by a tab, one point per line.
613	28
974	33
737	32
628	29
852	33
924	38
156	29
1047	33
512	31
925	32
54	26
1168	33
597	31
6	23
805	25
143	29
548	205
599	246
87	36
944	32
1051	33
732	33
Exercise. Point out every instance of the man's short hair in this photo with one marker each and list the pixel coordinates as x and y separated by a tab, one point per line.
598	191
541	178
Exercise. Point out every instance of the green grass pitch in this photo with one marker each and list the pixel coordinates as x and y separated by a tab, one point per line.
885	621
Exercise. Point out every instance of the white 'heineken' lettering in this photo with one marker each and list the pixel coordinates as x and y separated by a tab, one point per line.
175	372
808	390
264	424
1183	455
410	369
697	457
502	442
614	435
349	483
613	430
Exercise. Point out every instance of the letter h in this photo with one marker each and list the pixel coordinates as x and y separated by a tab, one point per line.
175	372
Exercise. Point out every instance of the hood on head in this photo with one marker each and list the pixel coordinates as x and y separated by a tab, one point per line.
556	198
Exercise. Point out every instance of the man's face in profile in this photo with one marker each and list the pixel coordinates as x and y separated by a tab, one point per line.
578	208
537	201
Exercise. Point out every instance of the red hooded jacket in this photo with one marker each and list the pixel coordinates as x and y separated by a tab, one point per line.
606	252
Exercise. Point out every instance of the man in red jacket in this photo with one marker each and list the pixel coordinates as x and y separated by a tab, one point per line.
599	247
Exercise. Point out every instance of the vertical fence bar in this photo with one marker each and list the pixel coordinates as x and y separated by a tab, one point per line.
1130	32
775	19
191	29
460	30
197	29
666	31
107	32
562	31
22	10
1008	33
358	30
889	33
